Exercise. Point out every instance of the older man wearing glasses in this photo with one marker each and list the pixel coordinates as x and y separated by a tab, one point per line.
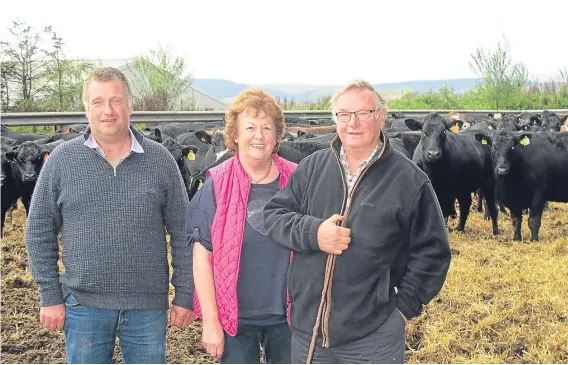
369	240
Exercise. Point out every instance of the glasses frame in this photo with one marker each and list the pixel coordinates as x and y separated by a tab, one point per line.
355	113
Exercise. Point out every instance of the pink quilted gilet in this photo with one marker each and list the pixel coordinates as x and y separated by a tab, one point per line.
232	187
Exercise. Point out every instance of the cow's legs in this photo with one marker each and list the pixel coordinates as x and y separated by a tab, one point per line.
517	219
465	205
491	207
535	216
26	200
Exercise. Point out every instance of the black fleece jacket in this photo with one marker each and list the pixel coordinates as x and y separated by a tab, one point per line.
399	253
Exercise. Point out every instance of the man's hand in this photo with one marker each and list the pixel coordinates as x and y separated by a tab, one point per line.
52	317
213	338
333	238
181	317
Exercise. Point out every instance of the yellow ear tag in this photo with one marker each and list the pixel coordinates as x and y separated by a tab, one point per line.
490	127
455	128
45	156
203	140
483	141
525	141
199	185
191	155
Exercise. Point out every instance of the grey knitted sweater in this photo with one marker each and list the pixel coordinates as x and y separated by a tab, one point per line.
113	228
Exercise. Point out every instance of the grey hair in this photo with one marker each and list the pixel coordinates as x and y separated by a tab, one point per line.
357	84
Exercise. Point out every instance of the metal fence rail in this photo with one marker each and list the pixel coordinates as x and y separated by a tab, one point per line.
65	118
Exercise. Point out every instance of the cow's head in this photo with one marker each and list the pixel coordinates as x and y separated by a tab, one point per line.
434	134
550	122
506	149
508	123
28	159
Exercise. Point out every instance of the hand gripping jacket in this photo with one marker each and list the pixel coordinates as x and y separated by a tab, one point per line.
232	187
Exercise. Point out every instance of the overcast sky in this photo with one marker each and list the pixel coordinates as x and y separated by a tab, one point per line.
309	42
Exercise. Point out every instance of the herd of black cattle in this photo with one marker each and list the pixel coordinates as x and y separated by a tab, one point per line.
517	162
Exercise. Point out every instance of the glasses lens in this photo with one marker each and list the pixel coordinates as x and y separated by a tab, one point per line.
343	117
363	114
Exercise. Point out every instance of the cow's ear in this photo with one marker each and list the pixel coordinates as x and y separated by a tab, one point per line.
203	137
158	135
525	139
300	133
564	119
413	124
12	155
189	151
454	125
483	139
491	125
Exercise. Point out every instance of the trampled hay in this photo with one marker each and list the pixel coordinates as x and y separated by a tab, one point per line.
503	301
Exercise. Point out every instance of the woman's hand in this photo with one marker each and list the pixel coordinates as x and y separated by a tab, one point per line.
213	338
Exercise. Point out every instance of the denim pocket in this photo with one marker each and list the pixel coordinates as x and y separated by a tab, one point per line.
71	302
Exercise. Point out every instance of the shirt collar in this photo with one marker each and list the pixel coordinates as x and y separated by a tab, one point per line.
366	161
135	146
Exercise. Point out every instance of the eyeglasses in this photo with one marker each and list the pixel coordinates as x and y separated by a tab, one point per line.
361	115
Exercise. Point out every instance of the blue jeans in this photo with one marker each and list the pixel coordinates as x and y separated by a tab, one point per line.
244	348
90	334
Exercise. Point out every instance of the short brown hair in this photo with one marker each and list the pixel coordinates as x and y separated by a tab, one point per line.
106	74
253	101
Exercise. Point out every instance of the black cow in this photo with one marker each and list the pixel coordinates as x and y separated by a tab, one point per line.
181	154
527	119
215	154
550	122
409	139
398	145
8	142
297	150
21	137
10	191
175	129
457	165
27	160
199	139
530	169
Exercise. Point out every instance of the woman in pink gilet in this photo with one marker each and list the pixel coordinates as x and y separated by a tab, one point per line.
239	275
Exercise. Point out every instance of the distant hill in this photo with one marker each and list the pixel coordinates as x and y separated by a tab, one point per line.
226	90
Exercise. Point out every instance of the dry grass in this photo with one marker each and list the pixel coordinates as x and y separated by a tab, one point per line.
503	302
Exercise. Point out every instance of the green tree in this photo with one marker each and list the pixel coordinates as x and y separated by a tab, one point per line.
66	78
502	79
7	70
160	81
28	76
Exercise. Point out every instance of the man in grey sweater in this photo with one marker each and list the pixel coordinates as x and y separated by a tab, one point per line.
113	195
